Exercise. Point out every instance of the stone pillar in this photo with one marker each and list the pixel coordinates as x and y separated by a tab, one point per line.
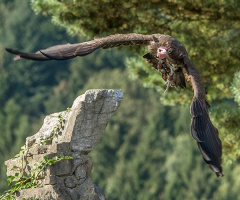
79	133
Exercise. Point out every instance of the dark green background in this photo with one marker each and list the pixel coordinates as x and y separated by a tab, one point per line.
147	151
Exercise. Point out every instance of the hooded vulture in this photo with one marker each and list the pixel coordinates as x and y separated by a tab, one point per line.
169	57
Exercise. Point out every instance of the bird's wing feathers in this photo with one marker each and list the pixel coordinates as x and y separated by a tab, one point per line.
202	129
31	56
68	51
123	39
206	136
151	59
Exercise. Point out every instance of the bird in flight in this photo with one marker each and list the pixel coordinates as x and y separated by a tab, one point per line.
170	58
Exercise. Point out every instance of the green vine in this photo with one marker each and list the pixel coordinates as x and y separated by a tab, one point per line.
30	181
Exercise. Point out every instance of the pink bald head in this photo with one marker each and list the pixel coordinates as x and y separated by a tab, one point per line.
162	52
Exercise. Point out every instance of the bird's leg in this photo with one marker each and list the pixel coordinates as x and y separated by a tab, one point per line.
169	76
167	83
169	80
172	69
163	67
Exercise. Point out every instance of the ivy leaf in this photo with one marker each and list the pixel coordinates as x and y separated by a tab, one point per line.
51	162
17	155
45	158
60	117
36	164
44	164
23	147
33	170
68	157
29	181
43	143
27	185
15	167
55	158
10	179
25	177
17	175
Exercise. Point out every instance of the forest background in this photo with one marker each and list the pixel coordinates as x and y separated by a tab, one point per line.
147	151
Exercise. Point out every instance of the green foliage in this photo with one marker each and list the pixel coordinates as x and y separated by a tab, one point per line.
14	128
208	29
30	180
226	118
25	85
97	17
55	130
33	80
235	87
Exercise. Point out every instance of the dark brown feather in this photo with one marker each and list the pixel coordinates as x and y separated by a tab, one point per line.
152	60
30	56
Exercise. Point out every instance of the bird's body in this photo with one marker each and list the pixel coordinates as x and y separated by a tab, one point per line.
168	56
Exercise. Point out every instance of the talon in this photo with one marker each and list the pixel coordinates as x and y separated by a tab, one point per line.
167	83
166	88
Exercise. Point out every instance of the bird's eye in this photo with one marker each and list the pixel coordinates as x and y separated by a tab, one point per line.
159	50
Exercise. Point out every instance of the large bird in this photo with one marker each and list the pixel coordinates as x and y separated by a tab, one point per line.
169	57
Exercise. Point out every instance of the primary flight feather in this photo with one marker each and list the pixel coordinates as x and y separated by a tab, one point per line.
169	57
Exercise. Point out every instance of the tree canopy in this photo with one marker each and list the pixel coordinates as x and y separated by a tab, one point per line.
209	30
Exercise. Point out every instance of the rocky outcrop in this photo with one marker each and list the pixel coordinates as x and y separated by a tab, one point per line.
80	131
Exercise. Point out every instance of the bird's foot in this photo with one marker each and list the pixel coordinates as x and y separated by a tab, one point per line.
168	84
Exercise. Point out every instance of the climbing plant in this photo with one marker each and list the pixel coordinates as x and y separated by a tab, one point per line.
20	181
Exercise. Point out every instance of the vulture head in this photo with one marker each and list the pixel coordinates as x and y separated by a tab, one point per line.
162	52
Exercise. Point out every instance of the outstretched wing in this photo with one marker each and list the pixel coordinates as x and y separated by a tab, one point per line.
202	129
68	51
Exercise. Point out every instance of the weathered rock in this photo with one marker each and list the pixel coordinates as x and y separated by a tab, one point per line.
77	135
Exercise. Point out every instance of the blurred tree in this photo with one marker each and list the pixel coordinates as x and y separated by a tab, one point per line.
26	78
15	128
24	85
235	88
208	29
